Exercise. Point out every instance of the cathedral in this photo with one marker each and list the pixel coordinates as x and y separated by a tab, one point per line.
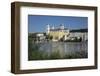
57	33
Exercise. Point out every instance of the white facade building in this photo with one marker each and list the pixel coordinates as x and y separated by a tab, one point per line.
82	33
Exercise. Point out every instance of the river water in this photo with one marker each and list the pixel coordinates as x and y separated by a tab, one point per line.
64	47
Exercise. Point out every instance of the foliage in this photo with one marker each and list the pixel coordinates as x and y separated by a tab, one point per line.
48	37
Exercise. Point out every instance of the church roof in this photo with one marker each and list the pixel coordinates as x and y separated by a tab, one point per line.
57	29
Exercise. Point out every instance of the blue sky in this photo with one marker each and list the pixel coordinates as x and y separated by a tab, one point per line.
37	23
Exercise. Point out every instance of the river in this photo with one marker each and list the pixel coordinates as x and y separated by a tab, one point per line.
65	48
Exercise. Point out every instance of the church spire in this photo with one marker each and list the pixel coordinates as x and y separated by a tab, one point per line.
48	28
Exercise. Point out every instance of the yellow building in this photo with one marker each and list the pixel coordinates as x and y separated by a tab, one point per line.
58	33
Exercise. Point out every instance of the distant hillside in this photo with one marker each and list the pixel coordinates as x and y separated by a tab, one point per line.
79	30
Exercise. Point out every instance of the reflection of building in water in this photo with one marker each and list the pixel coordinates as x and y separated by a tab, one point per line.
57	33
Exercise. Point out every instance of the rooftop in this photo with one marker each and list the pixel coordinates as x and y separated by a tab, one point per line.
57	29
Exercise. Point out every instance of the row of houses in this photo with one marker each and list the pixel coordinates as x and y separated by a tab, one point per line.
79	33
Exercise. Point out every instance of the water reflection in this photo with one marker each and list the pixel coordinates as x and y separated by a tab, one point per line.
64	47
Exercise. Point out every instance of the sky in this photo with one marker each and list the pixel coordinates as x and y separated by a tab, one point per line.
38	23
